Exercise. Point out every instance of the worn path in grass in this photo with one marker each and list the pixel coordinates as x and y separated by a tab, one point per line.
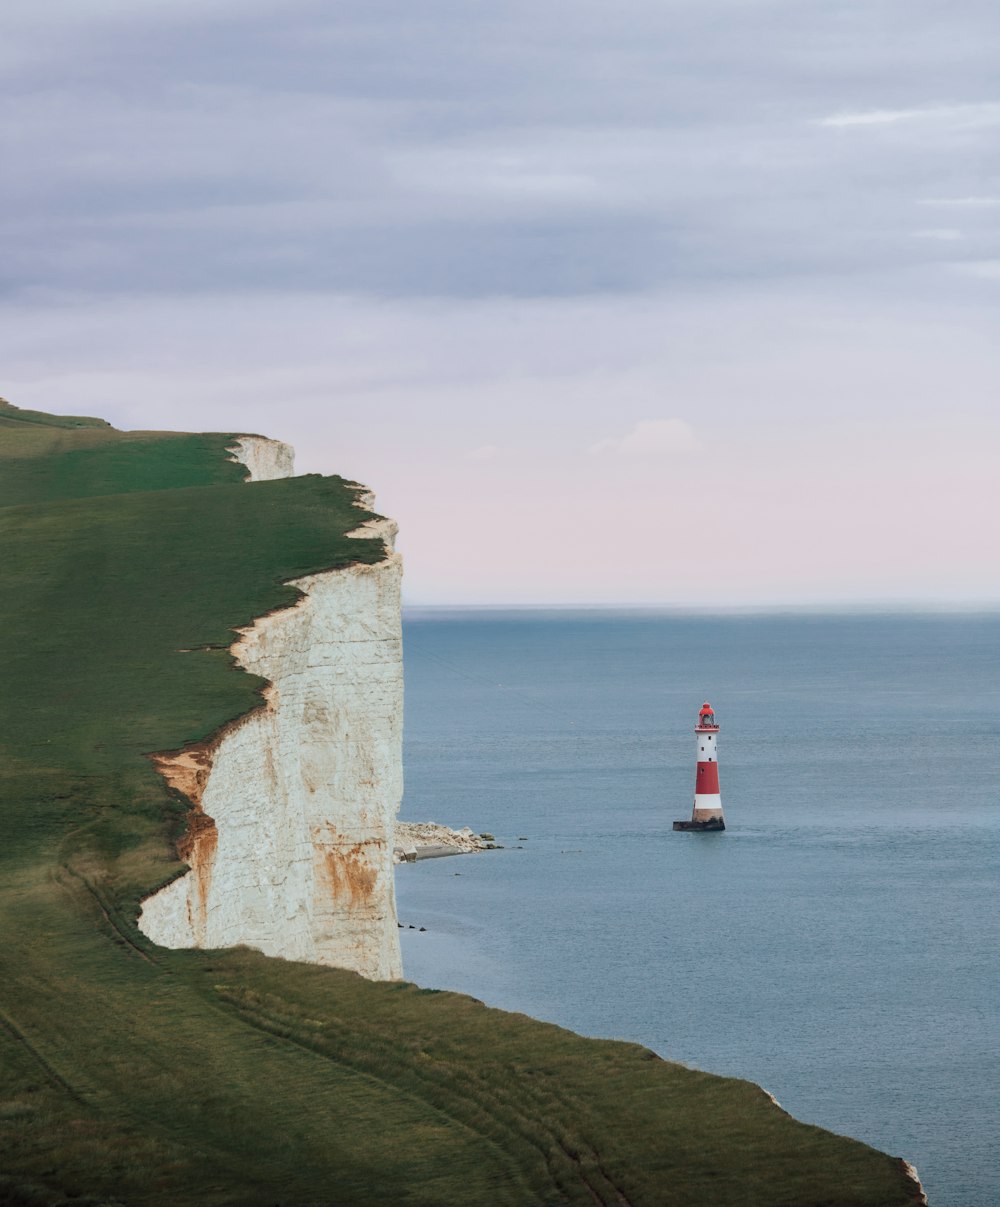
130	1074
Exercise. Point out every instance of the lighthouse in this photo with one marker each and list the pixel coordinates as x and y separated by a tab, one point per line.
707	813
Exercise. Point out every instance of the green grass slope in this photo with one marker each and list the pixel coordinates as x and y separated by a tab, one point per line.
49	457
134	1075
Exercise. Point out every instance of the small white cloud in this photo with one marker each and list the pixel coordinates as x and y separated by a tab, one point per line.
981	114
986	269
532	175
965	202
945	234
651	438
485	452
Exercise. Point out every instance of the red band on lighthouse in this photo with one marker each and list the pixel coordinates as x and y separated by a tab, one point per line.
708	779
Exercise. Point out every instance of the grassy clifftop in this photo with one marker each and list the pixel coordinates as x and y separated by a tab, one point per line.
50	457
130	1074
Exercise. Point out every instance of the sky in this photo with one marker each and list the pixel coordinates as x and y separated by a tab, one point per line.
661	303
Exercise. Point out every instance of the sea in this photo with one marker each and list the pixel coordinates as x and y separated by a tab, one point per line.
838	944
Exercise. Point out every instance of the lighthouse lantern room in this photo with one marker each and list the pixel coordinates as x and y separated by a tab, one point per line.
707	813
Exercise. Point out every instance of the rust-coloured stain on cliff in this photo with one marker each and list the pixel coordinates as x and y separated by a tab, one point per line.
349	866
197	847
187	771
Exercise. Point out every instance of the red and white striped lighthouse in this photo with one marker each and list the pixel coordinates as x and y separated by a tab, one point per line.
707	813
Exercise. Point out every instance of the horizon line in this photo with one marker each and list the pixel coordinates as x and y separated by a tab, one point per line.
867	608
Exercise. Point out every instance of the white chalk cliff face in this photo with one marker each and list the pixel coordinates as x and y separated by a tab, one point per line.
290	841
264	458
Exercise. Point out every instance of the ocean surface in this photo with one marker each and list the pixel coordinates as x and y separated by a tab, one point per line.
838	944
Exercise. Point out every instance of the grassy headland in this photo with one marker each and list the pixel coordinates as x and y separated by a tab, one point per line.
135	1075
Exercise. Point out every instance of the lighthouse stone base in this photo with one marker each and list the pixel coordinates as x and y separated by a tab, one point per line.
712	823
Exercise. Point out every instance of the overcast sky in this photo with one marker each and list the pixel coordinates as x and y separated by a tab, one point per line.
658	302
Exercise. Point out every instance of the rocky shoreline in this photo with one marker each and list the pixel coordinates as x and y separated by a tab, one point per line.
427	840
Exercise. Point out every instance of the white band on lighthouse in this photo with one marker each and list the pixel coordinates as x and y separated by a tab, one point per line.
706	805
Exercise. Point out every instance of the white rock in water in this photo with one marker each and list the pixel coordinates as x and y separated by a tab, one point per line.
294	855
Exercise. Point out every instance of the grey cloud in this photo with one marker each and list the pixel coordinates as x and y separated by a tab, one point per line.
458	148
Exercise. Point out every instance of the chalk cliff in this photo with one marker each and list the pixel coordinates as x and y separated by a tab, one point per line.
264	458
291	835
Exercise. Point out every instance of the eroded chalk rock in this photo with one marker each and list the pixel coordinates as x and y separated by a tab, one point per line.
264	458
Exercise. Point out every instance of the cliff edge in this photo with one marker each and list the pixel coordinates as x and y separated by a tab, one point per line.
291	831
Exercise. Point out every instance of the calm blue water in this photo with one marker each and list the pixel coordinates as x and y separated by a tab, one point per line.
838	944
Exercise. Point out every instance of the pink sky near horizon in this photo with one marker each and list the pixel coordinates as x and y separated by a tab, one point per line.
655	451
